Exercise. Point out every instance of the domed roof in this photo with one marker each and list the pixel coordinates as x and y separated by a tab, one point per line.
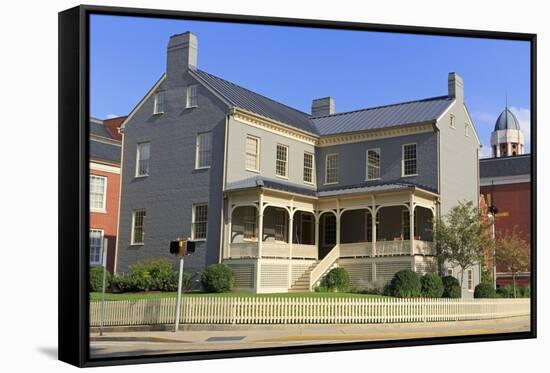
507	121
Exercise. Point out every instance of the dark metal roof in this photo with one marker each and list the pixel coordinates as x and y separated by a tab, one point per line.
104	151
507	121
394	115
256	103
505	166
420	111
262	182
97	128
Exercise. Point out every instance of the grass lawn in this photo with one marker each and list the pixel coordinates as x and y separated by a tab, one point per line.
94	297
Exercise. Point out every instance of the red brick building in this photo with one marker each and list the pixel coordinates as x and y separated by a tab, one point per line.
105	150
505	182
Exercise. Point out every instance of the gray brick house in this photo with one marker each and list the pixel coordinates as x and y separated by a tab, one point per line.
282	196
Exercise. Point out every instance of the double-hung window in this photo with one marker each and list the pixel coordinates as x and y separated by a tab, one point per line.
308	167
138	227
191	96
98	188
470	274
252	150
373	164
143	154
409	160
200	221
203	156
281	161
331	169
159	103
96	246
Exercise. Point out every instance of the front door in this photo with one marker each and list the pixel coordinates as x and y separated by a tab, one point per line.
327	234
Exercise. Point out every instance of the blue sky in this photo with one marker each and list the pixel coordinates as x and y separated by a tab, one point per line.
295	65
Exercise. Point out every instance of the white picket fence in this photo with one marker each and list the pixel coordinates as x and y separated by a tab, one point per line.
282	310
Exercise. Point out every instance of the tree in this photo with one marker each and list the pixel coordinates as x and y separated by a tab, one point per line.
461	237
512	254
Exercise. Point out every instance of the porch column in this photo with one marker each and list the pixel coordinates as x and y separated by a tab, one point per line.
373	226
337	222
229	233
260	240
317	234
290	233
411	223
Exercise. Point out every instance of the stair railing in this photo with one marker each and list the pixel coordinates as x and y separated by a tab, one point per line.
323	266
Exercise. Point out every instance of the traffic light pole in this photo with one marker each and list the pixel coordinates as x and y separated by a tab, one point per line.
178	300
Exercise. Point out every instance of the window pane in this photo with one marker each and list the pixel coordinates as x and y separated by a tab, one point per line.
97	192
332	168
159	103
204	149
139	227
200	221
249	220
308	167
282	156
96	246
373	164
251	148
330	229
409	159
143	158
191	96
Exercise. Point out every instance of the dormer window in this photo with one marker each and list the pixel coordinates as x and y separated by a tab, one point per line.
159	103
453	124
191	96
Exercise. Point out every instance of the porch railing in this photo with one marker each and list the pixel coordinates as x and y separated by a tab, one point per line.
396	247
272	249
424	247
356	249
304	251
244	250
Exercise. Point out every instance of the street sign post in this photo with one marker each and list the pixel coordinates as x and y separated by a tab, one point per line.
180	248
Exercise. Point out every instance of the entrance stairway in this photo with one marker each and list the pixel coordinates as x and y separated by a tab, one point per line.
302	283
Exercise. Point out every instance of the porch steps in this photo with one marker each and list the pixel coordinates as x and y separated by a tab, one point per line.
302	283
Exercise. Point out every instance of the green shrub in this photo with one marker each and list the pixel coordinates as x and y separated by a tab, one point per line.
218	278
451	287
484	290
321	289
151	275
526	292
96	279
405	284
337	279
432	286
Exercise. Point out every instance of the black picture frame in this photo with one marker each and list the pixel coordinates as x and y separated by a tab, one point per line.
74	111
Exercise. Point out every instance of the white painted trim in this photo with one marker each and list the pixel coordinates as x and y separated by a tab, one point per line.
138	155
285	176
403	159
367	164
104	167
143	100
101	247
187	96
258	147
193	214
132	242
368	135
326	169
502	180
197	150
156	101
313	178
104	204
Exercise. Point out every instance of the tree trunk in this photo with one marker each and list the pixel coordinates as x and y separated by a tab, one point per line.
514	282
461	280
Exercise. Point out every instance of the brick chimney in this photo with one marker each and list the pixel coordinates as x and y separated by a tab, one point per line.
456	87
321	107
181	54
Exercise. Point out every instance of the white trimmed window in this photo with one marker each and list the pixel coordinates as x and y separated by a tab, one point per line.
98	190
308	167
470	275
142	158
331	169
409	160
449	272
252	153
249	223
200	221
281	161
203	156
138	227
466	129
159	103
453	121
96	246
373	164
191	96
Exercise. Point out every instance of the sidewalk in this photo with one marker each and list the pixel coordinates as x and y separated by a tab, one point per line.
258	336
